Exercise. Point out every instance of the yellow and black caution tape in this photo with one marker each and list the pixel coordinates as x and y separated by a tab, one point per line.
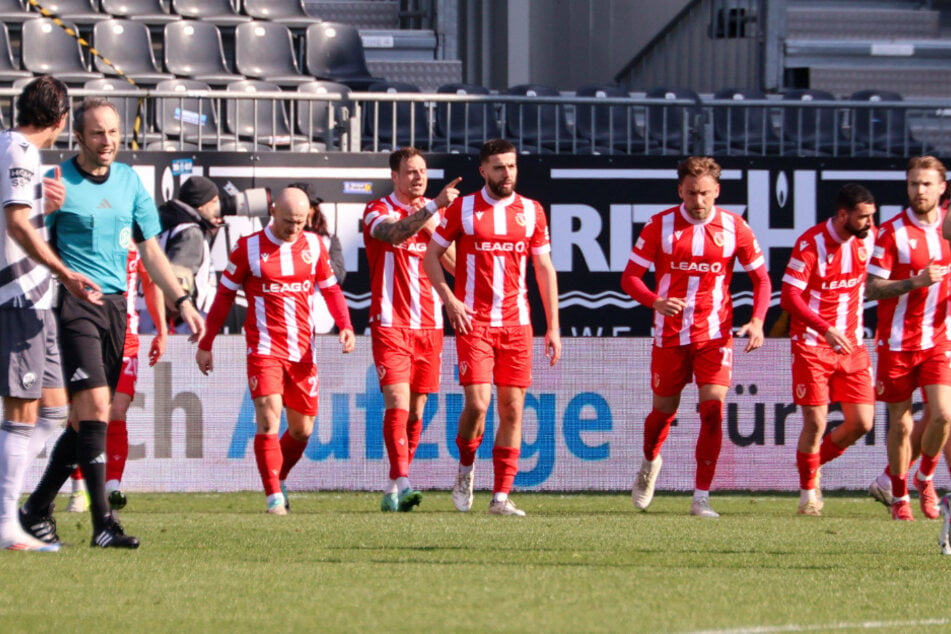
58	21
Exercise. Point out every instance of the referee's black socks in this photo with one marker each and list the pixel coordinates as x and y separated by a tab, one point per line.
61	464
91	455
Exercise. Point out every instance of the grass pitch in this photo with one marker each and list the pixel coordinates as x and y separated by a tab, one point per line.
577	563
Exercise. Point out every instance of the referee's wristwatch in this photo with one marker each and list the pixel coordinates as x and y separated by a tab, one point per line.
181	300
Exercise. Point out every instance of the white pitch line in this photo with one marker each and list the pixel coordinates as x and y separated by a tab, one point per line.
862	625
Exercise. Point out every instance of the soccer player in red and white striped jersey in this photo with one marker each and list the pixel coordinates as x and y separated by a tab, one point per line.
280	269
823	292
406	322
908	275
693	248
494	230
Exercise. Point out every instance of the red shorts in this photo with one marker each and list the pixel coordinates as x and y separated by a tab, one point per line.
822	376
408	355
711	362
128	376
495	354
900	372
296	382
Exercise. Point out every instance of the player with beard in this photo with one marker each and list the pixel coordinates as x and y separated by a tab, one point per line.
494	231
823	293
693	248
908	275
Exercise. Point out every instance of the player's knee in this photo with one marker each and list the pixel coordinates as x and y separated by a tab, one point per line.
55	414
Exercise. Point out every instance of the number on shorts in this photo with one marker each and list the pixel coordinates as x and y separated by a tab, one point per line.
313	386
727	360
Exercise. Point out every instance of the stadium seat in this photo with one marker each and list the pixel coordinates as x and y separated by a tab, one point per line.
608	129
153	12
463	127
131	110
15	11
534	127
335	52
388	125
129	46
190	118
218	12
265	50
323	121
813	131
882	131
673	128
8	68
290	13
194	49
264	121
744	131
48	49
75	11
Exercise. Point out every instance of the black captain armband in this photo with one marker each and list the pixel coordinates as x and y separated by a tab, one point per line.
181	300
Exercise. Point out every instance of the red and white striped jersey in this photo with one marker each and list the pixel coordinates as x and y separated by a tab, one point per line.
693	260
493	240
830	272
905	246
401	294
132	267
278	279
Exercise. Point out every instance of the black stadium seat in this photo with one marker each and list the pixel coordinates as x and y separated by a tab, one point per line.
129	46
194	49
463	127
262	120
534	127
608	129
265	50
133	113
190	118
48	49
8	69
813	131
218	12
323	121
388	125
290	13
744	130
672	128
149	11
335	52
882	131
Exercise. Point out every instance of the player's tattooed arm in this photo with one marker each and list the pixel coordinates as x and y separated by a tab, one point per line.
397	231
880	288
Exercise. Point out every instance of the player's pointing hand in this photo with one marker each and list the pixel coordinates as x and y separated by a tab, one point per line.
448	194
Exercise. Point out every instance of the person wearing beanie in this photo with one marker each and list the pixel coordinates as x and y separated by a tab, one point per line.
189	224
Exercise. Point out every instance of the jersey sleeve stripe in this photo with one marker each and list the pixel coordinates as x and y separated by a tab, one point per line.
878	271
793	281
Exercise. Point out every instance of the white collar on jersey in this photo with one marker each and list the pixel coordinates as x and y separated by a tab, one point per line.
270	236
830	229
694	221
505	202
913	217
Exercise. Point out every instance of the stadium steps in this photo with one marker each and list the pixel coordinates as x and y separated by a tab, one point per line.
366	14
910	82
428	75
860	22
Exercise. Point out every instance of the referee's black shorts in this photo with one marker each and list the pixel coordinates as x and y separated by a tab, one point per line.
91	339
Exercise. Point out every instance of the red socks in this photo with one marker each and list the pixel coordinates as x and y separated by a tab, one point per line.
396	441
267	453
709	442
656	428
829	451
414	429
291	451
467	450
899	485
117	449
928	464
505	464
808	465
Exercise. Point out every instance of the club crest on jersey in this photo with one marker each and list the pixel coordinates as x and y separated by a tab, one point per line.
862	254
800	390
306	256
253	382
28	380
719	238
463	368
520	219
